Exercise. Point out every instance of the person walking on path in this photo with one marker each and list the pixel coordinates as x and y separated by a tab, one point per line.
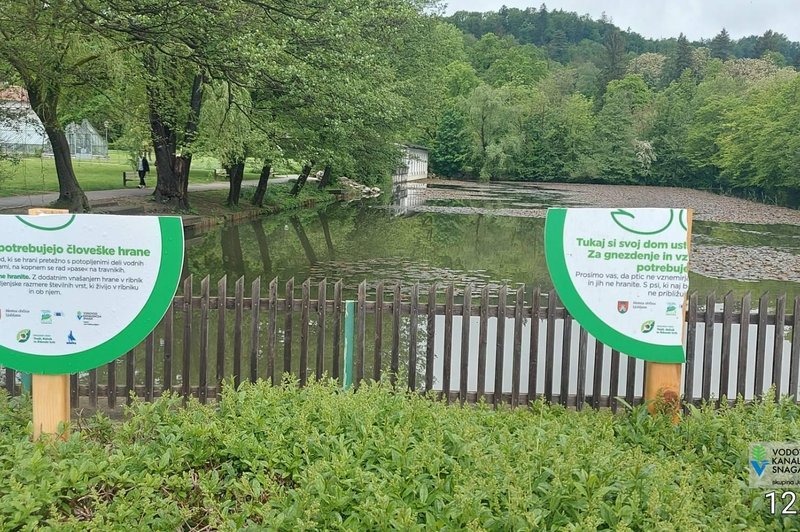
144	167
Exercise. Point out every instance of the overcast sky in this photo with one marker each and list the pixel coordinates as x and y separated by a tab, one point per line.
667	18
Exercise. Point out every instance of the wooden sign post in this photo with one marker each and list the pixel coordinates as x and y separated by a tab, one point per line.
85	288
622	274
50	393
662	382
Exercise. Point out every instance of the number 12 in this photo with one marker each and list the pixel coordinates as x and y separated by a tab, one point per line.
788	508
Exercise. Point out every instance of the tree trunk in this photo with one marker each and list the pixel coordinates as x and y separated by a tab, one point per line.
236	175
326	177
232	256
263	179
301	180
263	246
44	103
326	230
172	181
304	242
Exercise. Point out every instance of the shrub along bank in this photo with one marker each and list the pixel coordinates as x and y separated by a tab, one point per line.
313	458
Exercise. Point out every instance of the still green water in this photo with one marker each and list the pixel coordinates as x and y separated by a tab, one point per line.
373	242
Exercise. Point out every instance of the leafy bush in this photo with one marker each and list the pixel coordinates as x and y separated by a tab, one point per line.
319	458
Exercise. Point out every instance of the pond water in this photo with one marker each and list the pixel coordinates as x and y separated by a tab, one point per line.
423	238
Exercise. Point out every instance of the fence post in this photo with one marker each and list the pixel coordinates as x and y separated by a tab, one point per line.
349	329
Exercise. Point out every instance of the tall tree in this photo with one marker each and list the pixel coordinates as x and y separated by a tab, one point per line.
50	51
614	60
721	46
680	60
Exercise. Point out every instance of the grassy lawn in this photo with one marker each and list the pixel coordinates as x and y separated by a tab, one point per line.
35	175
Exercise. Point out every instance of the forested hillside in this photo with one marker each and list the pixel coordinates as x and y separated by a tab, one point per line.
548	95
527	94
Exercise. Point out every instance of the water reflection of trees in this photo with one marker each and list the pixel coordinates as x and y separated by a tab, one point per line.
232	256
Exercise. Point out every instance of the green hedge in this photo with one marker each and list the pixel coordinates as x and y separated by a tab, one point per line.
318	458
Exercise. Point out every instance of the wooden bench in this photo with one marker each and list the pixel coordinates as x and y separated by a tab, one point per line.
221	174
129	176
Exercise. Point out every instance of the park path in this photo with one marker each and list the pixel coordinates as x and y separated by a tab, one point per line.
96	196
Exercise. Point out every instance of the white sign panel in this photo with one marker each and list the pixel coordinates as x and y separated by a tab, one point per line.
77	291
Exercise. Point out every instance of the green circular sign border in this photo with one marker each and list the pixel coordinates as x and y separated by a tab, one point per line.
149	316
594	325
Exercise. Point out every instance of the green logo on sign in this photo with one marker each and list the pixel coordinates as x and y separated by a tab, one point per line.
23	336
648	326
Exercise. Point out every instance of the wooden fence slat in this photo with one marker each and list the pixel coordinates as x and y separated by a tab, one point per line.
761	345
597	382
777	351
287	326
272	330
11	381
149	366
448	342
794	368
483	337
614	389
361	332
394	367
501	346
550	342
130	375
237	332
430	340
377	362
337	329
533	354
304	315
466	318
204	325
583	340
412	338
630	379
222	299
708	345
322	294
516	368
566	359
744	336
111	370
92	387
691	340
169	346
186	369
725	362
255	327
73	390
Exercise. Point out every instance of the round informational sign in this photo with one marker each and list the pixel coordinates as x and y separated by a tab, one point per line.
78	291
623	275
